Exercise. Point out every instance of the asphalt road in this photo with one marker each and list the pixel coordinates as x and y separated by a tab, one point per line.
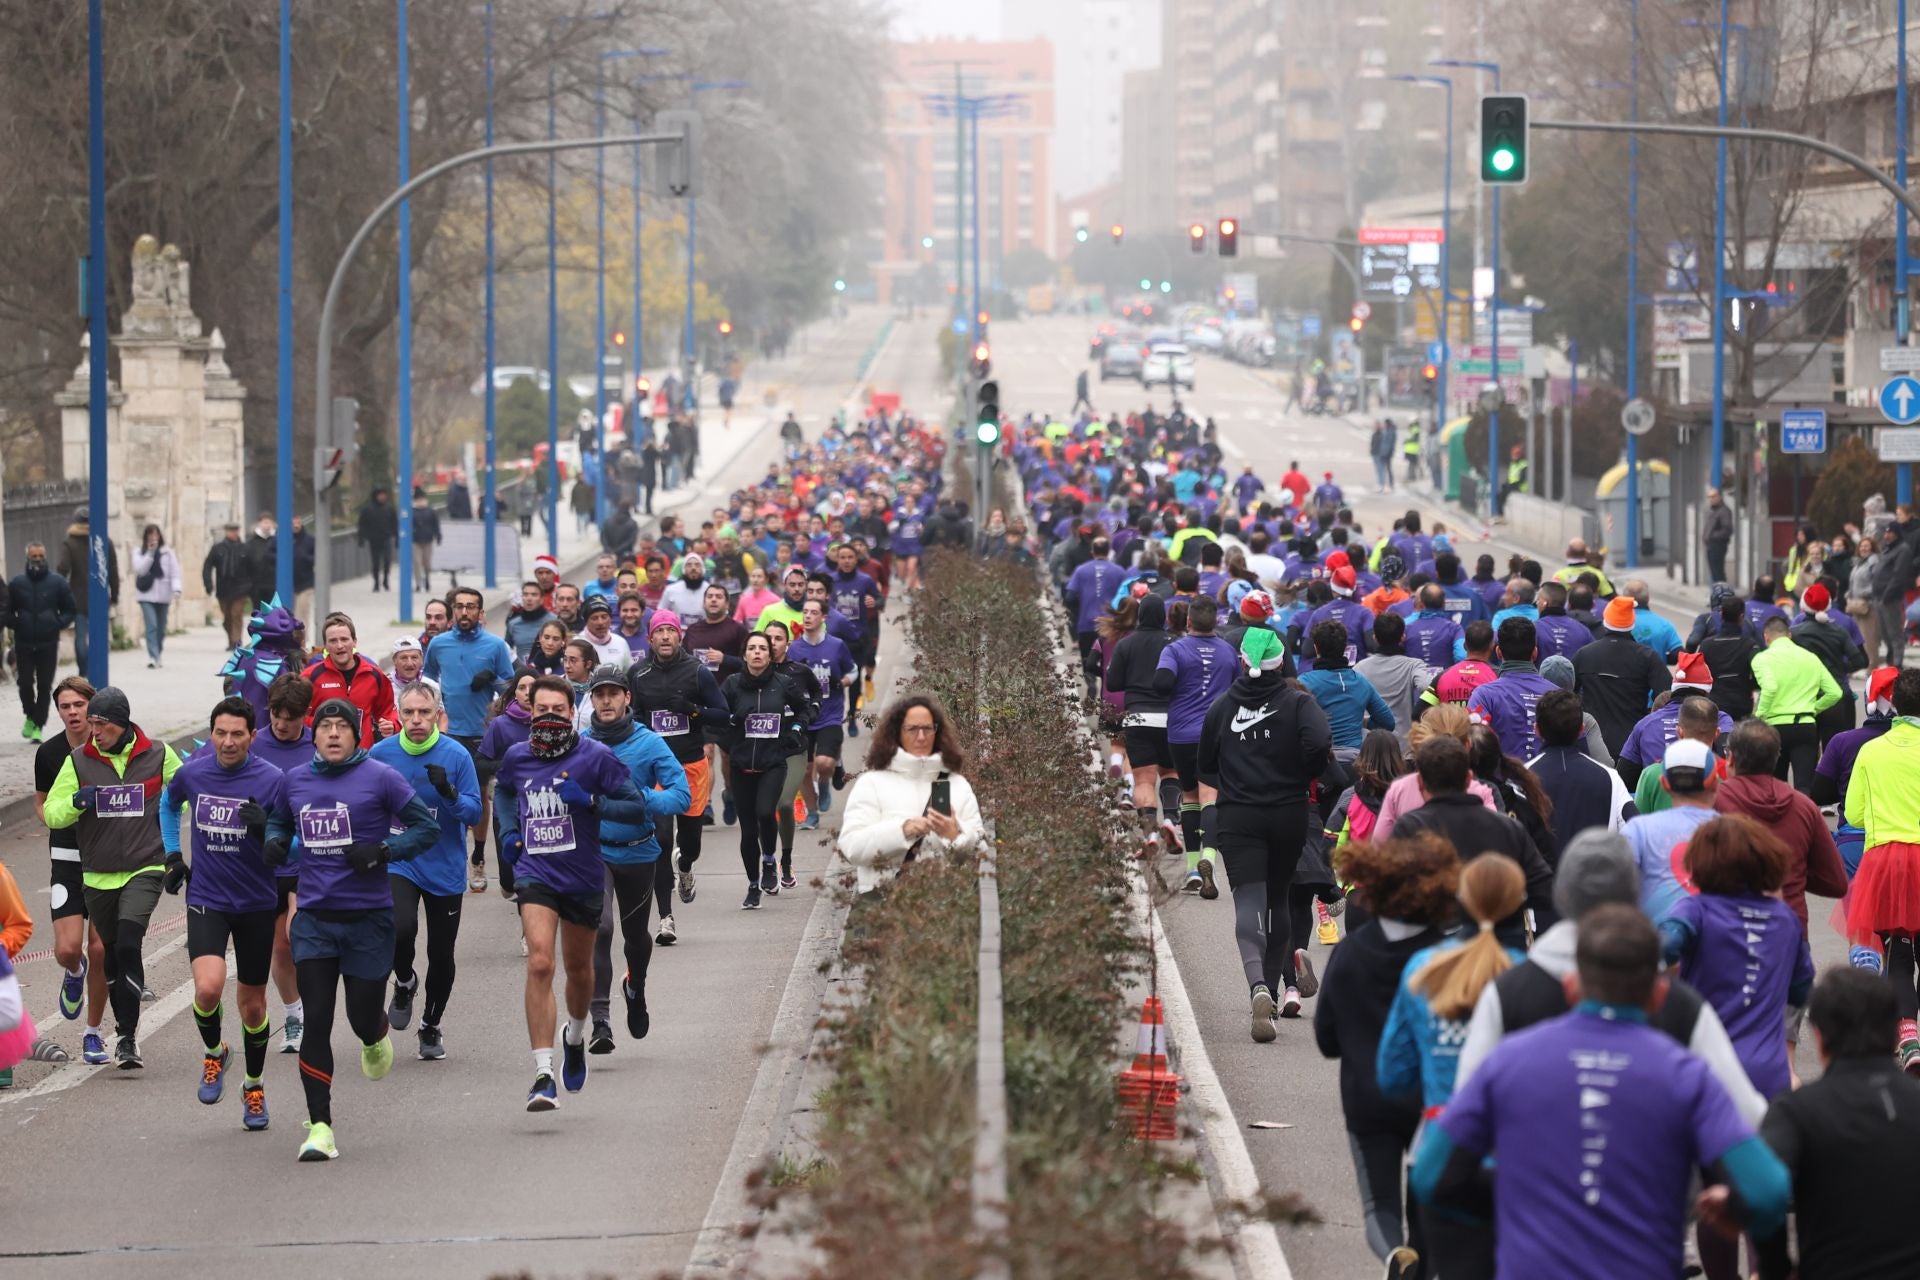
1286	1081
442	1171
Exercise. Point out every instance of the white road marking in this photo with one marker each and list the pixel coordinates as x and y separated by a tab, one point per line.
67	1075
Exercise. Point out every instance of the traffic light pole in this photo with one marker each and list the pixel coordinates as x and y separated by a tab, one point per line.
323	361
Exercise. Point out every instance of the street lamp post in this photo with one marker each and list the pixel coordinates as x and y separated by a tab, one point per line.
403	497
1446	251
99	637
491	498
1633	292
690	390
1493	307
1903	312
283	392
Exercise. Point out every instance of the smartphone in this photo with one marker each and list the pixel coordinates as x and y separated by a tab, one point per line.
942	799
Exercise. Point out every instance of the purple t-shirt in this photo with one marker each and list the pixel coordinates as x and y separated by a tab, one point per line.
1596	1126
1657	730
284	756
358	805
1431	636
228	872
1555	634
1749	952
831	662
1510	704
560	843
503	731
1203	668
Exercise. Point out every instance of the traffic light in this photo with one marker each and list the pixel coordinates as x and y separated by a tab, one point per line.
1430	379
1355	323
986	413
1503	139
1080	234
725	327
643	387
1229	237
926	242
982	360
1118	233
1197	237
619	338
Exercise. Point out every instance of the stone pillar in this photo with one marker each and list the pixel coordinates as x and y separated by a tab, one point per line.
174	427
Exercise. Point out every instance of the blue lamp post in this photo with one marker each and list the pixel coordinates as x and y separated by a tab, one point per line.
491	499
1446	249
1493	307
1903	312
687	353
98	636
283	393
403	498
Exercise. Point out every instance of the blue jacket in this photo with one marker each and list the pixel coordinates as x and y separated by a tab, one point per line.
626	837
443	868
1419	1050
454	658
1352	705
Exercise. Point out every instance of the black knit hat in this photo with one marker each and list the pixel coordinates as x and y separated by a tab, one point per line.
111	705
338	709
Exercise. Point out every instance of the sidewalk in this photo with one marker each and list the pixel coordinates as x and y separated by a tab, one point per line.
172	702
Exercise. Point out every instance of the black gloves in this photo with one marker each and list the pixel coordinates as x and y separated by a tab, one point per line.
276	852
437	775
366	857
483	680
176	874
251	814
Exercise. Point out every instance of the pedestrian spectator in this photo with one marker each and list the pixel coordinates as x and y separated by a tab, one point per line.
377	528
156	585
1753	788
263	559
1795	687
305	551
1407	889
1617	676
523	498
1380	449
1837	1138
1861	605
1559	673
226	576
1420	1046
1717	534
459	498
76	559
40	606
1690	776
1583	793
426	533
1531	1108
581	499
1441	766
911	801
621	532
1883	906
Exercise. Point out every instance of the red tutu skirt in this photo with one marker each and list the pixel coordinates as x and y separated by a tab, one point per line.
1885	895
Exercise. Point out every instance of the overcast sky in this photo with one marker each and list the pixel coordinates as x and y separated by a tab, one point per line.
926	19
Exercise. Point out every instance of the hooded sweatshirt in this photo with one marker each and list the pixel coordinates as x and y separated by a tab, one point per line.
1813	860
1266	741
627	837
1136	658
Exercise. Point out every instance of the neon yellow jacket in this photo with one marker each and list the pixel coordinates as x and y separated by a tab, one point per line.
1794	683
1882	799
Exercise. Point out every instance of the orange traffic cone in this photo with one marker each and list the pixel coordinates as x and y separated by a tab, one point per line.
799	809
1149	1089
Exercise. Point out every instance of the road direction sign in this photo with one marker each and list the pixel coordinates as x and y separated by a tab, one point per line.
1900	400
1803	431
1361	311
1636	415
1900	359
1899	444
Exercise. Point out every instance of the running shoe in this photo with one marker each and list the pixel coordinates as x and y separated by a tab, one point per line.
93	1049
1170	836
542	1096
752	902
29	730
1865	958
853	726
433	1046
769	880
573	1063
253	1106
1327	931
477	876
1264	1031
376	1059
639	1021
400	1009
73	992
1194	883
1208	889
126	1054
726	811
319	1144
866	690
1304	978
600	1040
1907	1052
665	935
706	816
1402	1264
824	794
812	821
213	1075
45	1050
684	879
1290	1003
523	946
146	995
786	877
839	776
6	1078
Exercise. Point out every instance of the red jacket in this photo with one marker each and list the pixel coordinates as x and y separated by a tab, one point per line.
366	687
1813	860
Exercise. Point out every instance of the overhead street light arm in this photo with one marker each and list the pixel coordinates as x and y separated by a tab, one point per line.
323	362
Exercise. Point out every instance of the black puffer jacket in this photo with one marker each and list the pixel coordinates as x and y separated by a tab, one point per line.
766	713
40	607
1137	656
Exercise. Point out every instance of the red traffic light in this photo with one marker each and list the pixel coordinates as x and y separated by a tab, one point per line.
1430	372
1117	232
1228	226
725	327
981	353
619	338
1355	323
642	385
1197	237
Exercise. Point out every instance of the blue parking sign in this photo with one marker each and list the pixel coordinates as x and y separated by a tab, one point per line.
1803	431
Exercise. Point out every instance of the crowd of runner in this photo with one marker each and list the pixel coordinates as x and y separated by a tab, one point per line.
710	679
1573	850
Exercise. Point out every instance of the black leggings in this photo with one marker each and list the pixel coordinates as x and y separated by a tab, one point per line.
799	769
120	917
319	981
443	926
1261	847
686	831
1899	964
632	887
1379	1162
755	796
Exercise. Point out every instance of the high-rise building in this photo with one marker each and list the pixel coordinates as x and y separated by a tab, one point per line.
1187	58
921	172
1146	172
1096	43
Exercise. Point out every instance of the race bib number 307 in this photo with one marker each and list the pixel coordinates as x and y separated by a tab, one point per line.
218	816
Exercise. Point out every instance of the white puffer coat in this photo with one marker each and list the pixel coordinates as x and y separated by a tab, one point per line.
880	803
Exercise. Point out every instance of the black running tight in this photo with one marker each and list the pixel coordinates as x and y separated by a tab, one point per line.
755	796
686	831
1900	972
443	927
320	982
629	898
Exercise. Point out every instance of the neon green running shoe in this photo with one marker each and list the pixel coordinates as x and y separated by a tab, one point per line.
376	1059
319	1144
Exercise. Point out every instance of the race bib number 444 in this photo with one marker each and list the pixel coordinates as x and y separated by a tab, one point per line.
121	800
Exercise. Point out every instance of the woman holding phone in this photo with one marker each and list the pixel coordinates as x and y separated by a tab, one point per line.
911	801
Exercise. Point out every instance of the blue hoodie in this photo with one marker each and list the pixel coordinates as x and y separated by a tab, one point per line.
442	869
453	659
662	781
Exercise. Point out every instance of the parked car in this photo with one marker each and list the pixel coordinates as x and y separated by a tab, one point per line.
1101	337
505	375
1171	363
1120	359
1207	337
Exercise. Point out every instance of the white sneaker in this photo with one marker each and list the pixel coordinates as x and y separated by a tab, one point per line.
1290	1005
665	935
523	946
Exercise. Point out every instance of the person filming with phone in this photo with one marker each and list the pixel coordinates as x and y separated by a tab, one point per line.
911	802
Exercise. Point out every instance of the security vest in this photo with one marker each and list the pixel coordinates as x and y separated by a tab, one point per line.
1517	474
1411	446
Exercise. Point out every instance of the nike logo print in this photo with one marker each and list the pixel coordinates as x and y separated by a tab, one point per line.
1242	721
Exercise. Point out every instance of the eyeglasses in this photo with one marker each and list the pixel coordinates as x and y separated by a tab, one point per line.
916	728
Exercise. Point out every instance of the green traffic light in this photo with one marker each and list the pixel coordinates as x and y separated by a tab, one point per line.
1502	160
987	432
1146	283
1081	235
